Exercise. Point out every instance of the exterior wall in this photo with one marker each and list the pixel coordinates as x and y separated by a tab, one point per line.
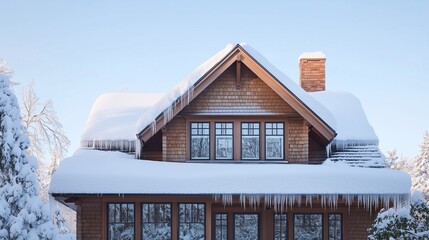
312	74
174	140
359	222
92	215
153	148
89	219
316	151
223	101
298	141
252	97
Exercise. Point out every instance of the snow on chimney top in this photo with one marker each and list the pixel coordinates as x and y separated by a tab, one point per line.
312	55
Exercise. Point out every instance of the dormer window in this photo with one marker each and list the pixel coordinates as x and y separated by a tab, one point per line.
274	141
250	141
200	140
224	141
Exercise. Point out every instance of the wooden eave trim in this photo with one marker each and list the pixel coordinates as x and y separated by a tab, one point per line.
307	113
199	87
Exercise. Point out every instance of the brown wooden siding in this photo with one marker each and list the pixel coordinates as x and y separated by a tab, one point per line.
174	140
224	101
298	141
316	151
152	149
89	221
252	97
92	215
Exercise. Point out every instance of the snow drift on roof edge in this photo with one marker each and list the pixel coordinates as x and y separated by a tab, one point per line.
353	127
114	115
185	88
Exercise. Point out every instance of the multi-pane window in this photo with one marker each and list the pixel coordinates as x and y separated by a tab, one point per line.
280	226
200	140
250	141
274	141
308	226
246	226
335	227
191	221
221	226
156	221
224	141
120	221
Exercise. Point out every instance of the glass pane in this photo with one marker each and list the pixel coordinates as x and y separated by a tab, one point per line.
308	226
280	226
122	226
274	147
221	226
335	227
191	221
250	147
246	226
160	225
200	147
224	147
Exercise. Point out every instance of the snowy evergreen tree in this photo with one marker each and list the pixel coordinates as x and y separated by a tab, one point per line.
23	214
403	223
420	170
398	163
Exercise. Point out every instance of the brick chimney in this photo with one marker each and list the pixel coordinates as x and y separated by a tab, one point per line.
312	71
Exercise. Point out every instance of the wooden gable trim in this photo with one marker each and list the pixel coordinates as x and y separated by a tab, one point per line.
238	55
199	87
316	123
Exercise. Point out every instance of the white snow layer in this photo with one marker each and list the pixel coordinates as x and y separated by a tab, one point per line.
312	55
184	89
98	172
353	127
114	115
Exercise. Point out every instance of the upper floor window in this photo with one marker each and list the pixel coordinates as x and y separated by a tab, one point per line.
250	141
200	140
120	223
224	141
274	141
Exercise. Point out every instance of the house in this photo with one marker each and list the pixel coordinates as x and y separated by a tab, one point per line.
235	151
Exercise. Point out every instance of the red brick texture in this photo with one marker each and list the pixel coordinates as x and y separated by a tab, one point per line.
312	74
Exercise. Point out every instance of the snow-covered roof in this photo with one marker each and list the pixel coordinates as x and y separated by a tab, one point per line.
312	55
185	88
98	172
353	127
114	115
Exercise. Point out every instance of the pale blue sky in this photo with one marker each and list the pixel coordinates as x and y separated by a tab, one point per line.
77	50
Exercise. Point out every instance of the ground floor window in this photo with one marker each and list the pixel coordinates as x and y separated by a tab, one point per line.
156	221
280	226
246	226
191	221
121	221
221	226
308	226
335	227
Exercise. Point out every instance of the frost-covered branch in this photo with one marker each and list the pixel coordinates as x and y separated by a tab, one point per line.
47	136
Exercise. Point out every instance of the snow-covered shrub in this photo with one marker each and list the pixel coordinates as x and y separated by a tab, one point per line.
403	223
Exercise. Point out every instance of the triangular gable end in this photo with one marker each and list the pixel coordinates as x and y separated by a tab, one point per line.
240	55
